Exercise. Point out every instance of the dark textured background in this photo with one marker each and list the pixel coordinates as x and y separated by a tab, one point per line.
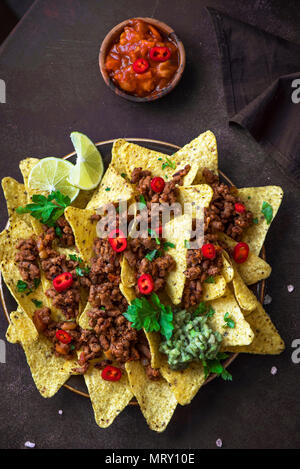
50	65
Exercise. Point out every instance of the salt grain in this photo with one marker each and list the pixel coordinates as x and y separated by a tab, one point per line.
28	444
60	412
219	443
267	300
290	288
273	370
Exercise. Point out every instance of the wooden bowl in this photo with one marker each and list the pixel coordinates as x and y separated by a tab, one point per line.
114	35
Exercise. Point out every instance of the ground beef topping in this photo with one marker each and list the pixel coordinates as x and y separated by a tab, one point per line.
66	236
221	214
27	260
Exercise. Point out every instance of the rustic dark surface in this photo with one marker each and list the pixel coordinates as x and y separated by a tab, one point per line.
50	65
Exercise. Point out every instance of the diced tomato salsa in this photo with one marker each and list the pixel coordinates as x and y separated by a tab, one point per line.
141	40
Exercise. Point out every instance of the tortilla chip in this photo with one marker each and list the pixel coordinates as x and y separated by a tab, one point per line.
253	198
48	371
128	293
184	383
84	230
198	196
136	156
15	196
113	188
127	274
9	239
214	290
202	150
25	168
117	157
245	297
241	334
155	398
27	333
177	231
266	338
227	270
251	271
108	398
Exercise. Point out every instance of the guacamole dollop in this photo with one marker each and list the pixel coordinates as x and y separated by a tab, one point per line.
192	340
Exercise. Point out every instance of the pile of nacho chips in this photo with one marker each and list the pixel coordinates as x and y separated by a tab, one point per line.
254	331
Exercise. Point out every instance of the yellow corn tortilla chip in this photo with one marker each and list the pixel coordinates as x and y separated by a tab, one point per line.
241	334
177	231
15	196
202	150
266	338
214	290
127	274
245	297
9	239
155	398
113	188
48	371
108	398
227	270
136	156
198	196
27	333
116	156
128	293
184	383
253	198
84	230
251	271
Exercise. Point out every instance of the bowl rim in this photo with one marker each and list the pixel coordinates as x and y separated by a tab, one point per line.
113	33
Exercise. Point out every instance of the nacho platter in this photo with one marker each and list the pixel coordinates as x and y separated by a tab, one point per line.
163	148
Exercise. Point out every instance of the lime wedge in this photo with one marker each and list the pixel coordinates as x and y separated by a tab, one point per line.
52	174
88	171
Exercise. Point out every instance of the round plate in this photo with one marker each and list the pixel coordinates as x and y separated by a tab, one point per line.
76	383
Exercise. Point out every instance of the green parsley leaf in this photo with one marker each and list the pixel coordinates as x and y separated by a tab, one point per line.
154	235
75	258
255	221
151	315
151	255
201	309
107	189
79	272
143	203
215	366
229	322
267	211
210	279
44	209
124	175
36	282
226	375
187	244
168	245
169	163
210	312
58	231
37	303
21	286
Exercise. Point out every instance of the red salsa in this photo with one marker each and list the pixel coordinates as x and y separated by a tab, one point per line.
143	61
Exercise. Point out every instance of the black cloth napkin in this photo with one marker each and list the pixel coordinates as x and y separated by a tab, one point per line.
261	77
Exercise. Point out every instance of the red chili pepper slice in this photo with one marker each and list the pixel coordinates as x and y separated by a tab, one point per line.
63	336
209	251
140	65
145	284
157	184
241	252
111	373
160	54
63	281
158	230
117	240
239	208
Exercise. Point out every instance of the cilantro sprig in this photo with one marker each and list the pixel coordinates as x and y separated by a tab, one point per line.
152	315
229	322
267	211
47	209
215	366
168	164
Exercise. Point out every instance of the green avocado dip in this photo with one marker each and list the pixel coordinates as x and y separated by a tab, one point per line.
192	340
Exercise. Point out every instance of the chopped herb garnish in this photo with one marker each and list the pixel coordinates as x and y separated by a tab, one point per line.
210	279
151	315
79	272
143	201
37	303
154	235
87	270
210	312
168	245
168	164
72	347
75	258
22	286
187	244
203	308
151	255
255	221
159	159
107	189
58	231
267	211
124	175
215	366
229	322
36	282
46	209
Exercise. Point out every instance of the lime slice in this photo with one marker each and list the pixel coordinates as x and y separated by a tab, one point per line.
88	171
52	174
